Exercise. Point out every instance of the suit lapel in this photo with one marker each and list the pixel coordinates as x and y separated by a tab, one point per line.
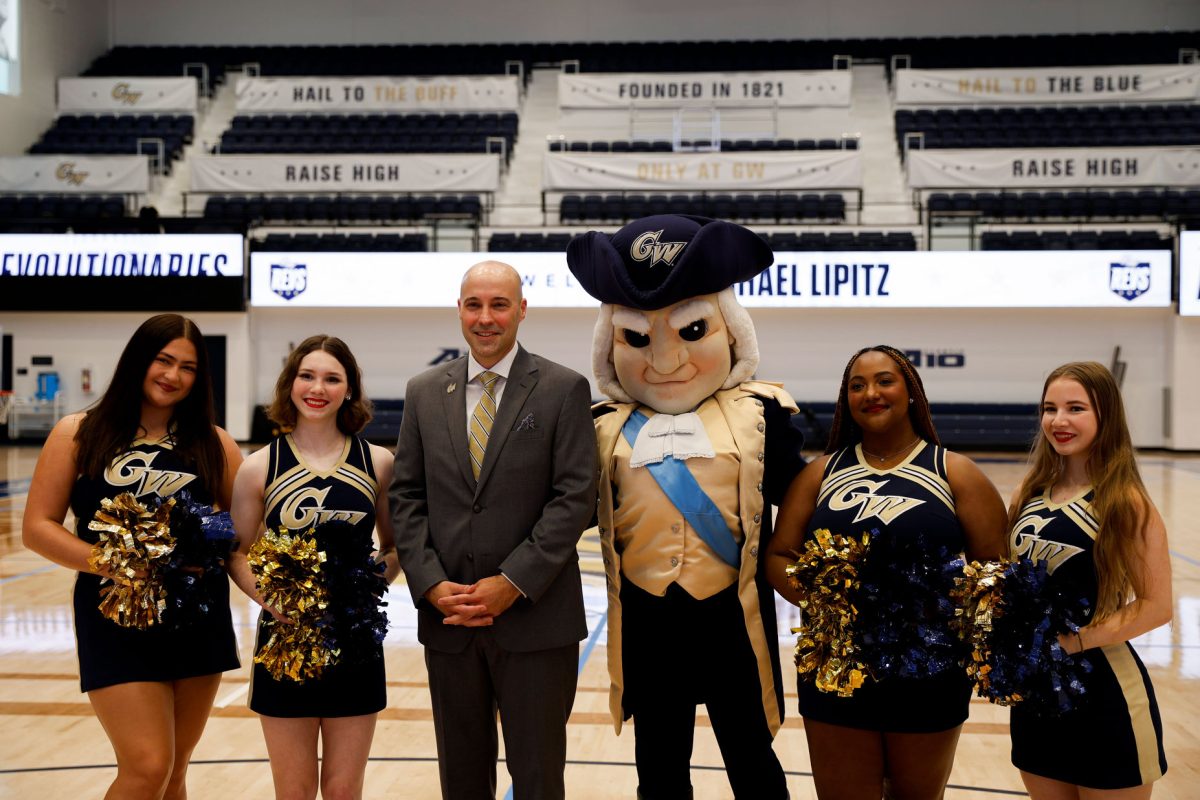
522	379
454	405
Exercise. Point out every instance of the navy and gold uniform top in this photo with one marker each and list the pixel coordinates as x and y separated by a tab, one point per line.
1112	739
298	497
912	498
151	470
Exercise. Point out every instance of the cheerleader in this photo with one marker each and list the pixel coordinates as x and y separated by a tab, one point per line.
151	434
1084	511
884	470
321	470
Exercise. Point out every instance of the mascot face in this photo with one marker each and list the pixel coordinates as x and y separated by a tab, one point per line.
673	358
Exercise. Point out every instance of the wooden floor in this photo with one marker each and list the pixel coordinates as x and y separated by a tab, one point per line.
52	746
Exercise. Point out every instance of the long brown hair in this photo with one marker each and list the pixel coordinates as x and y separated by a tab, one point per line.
844	431
354	414
112	424
1120	502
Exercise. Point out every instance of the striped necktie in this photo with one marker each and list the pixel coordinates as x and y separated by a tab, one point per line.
481	421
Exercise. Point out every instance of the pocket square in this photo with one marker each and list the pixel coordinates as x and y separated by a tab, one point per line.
526	423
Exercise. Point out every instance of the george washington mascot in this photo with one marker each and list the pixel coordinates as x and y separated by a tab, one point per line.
692	454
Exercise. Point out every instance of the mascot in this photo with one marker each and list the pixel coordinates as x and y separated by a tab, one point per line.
693	452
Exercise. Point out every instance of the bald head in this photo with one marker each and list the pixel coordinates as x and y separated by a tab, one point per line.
496	271
490	308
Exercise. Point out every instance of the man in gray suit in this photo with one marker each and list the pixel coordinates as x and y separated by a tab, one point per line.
494	481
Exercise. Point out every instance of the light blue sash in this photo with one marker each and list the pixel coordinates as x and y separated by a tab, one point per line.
681	488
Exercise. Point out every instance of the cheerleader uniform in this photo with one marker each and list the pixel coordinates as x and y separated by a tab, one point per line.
1112	739
110	654
298	498
913	498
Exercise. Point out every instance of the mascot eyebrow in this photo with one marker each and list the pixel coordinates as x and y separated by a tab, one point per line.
630	319
680	317
690	312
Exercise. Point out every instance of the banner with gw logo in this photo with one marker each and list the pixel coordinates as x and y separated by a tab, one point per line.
129	95
1112	279
1048	85
75	174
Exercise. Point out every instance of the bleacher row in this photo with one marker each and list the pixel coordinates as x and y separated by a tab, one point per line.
342	242
114	134
1074	240
732	145
60	207
504	242
367	133
1050	126
728	55
252	209
959	425
782	207
1144	203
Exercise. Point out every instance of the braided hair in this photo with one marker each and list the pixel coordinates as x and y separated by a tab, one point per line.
845	432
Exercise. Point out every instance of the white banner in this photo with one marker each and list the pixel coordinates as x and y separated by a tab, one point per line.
1189	273
1054	167
1057	85
379	94
704	89
940	279
798	169
75	174
346	173
85	255
130	95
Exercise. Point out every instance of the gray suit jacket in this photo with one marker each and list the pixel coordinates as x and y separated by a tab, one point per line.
535	495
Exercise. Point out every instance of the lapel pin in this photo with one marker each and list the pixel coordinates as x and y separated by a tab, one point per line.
450	389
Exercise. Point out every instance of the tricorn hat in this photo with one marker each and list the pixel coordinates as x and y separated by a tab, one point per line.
657	261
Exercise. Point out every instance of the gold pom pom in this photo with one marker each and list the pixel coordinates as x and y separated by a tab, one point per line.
826	574
288	569
134	544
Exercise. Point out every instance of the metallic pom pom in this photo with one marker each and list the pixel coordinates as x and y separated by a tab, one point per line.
288	569
134	543
1011	616
826	575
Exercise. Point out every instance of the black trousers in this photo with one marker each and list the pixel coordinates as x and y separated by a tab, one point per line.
679	652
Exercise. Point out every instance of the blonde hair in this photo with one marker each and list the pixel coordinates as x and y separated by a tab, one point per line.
1120	502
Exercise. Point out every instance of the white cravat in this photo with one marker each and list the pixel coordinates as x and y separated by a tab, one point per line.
679	435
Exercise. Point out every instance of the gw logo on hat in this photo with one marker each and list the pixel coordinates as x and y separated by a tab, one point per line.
648	246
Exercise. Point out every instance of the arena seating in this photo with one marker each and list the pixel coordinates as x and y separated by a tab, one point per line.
959	425
862	240
51	213
731	145
1088	49
115	134
504	242
1049	126
780	207
366	133
340	242
528	242
1091	205
343	209
1074	240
